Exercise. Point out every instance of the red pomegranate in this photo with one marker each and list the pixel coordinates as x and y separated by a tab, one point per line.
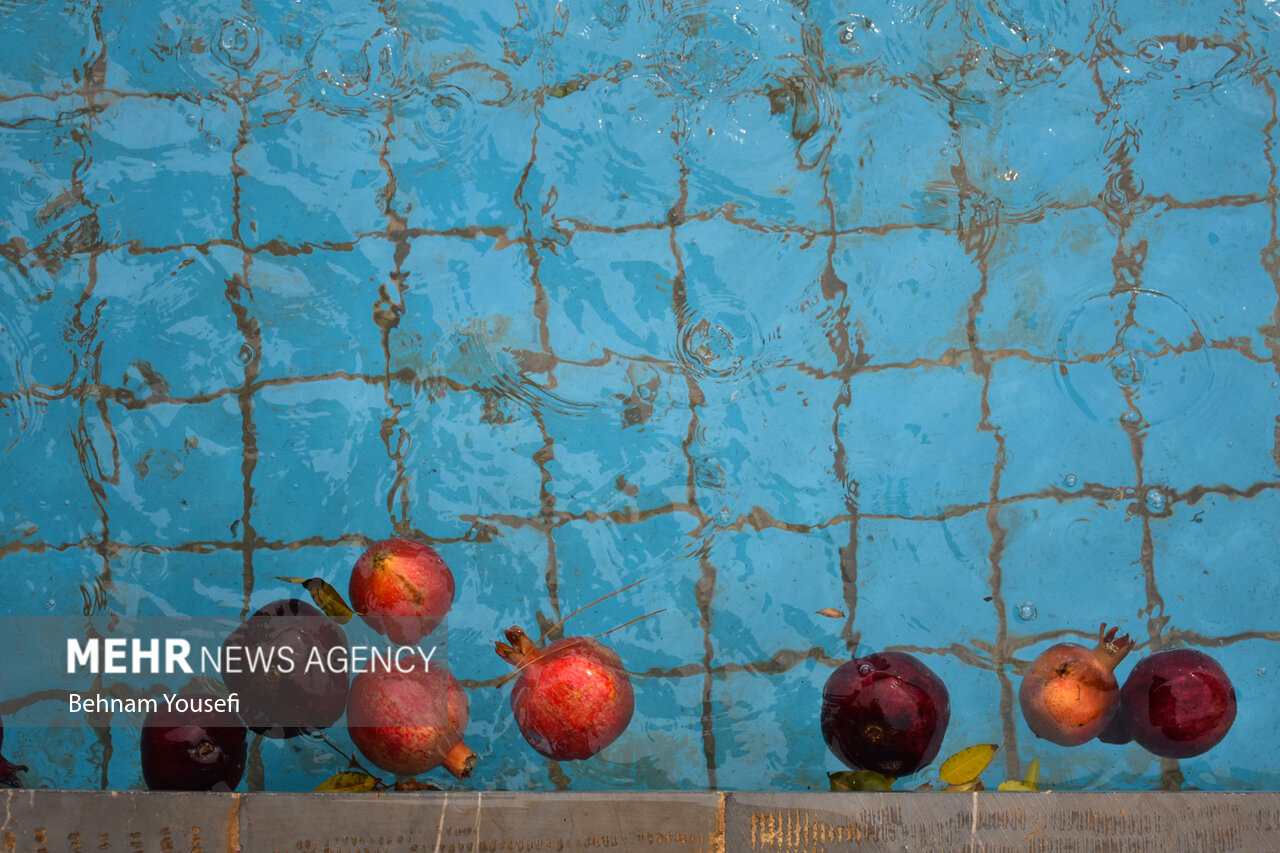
409	717
1179	703
1070	694
402	589
572	699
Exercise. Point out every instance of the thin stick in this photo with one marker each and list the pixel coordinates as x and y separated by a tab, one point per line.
625	624
564	619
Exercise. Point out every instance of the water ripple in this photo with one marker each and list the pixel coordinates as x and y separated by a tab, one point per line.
708	54
356	64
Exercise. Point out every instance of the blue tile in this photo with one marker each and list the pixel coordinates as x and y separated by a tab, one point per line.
337	197
1210	581
464	463
1047	547
643	465
330	300
923	584
611	294
908	293
166	326
1086	450
606	156
769	586
1040	275
56	504
177	478
903	429
596	558
47	55
161	172
324	469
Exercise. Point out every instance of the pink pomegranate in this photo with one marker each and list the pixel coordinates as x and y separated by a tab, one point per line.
1070	694
409	717
572	699
402	589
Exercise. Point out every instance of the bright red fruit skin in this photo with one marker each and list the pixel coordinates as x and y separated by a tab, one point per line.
193	751
274	702
412	721
402	589
886	712
572	698
1178	703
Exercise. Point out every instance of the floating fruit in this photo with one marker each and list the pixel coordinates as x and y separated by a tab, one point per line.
409	717
402	589
571	699
8	771
886	712
186	750
1070	694
271	662
1178	703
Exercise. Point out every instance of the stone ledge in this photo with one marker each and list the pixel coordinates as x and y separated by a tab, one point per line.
467	822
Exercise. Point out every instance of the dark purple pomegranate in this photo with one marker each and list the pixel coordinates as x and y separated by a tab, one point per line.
8	771
265	663
886	712
194	748
1178	703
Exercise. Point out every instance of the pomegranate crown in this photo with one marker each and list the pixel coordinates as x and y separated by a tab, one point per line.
1110	651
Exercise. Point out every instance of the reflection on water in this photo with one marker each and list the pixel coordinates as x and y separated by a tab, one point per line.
930	315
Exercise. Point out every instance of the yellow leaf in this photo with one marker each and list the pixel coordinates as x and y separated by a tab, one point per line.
1011	785
830	612
351	781
968	764
1033	774
326	598
860	780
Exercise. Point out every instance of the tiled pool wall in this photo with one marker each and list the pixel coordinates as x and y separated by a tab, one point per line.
958	319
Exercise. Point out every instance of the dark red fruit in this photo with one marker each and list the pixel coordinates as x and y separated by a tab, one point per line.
409	718
1178	703
197	748
1117	731
571	699
265	661
402	589
1070	694
886	712
8	772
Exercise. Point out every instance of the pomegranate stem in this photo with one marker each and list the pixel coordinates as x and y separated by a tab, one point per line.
460	760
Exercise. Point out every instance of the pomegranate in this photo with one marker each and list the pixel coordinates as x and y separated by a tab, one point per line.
193	750
1070	694
266	660
572	699
402	589
8	771
886	712
1178	703
409	717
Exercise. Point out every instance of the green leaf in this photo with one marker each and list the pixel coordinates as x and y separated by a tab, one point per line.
326	598
350	781
860	780
968	764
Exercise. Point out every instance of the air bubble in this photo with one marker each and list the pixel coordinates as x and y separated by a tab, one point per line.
865	669
1262	671
1130	417
1025	611
1070	481
211	142
50	604
247	355
1156	500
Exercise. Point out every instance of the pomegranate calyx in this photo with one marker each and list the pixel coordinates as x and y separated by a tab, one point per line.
519	650
1110	650
460	760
